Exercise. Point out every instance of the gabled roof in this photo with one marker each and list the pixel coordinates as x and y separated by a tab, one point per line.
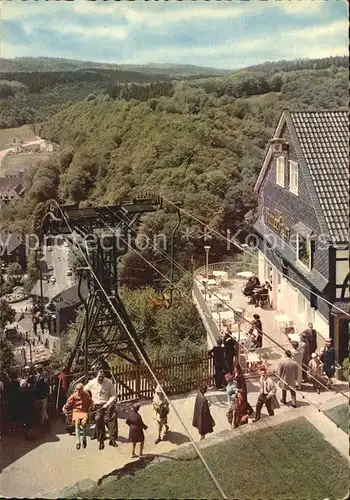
9	242
324	140
321	141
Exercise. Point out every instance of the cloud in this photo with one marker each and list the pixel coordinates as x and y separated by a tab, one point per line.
93	31
327	30
220	34
305	7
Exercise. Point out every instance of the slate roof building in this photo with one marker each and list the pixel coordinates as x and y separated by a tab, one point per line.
12	249
11	189
303	221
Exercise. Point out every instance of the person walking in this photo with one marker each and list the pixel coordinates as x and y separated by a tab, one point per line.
288	373
137	426
267	395
41	392
27	408
104	399
328	358
304	347
311	336
79	403
202	419
218	355
315	371
161	410
297	356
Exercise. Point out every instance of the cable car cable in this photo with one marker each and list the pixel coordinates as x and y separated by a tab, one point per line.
207	467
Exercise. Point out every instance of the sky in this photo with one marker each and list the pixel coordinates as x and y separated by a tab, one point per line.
225	34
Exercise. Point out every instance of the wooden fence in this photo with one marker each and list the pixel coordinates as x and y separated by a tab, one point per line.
177	375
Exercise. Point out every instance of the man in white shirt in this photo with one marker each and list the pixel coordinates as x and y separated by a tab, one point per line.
104	397
267	395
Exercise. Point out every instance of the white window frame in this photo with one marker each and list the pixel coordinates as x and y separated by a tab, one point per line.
308	242
294	177
279	283
280	170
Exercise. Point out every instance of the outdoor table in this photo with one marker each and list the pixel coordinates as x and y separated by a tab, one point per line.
245	274
252	360
294	337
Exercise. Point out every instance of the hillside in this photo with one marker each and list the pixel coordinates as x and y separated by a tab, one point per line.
42	64
200	142
34	89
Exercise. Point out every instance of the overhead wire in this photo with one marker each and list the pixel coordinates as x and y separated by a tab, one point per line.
318	408
239	246
183	270
207	467
241	345
227	304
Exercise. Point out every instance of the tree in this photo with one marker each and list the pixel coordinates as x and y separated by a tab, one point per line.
7	355
7	314
15	269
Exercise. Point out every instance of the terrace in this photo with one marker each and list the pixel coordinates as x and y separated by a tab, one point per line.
217	291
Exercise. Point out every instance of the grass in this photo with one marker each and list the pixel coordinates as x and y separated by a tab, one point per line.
289	461
7	134
340	415
23	159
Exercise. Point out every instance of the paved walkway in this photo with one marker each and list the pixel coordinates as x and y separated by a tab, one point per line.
38	468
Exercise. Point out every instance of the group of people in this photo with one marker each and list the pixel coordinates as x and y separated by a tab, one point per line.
256	292
299	365
27	398
97	401
227	350
313	365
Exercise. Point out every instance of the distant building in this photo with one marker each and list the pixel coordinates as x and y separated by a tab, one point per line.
11	189
15	172
47	146
13	249
62	305
17	140
302	229
32	148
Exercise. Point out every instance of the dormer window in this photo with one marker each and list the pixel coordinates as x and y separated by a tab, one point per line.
280	168
294	177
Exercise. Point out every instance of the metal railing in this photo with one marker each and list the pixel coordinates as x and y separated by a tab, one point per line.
232	268
242	263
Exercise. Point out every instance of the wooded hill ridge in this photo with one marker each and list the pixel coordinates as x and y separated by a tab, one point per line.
198	141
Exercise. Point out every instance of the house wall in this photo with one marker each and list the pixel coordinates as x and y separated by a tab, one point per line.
292	208
286	298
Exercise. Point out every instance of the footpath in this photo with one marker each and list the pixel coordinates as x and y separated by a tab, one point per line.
43	468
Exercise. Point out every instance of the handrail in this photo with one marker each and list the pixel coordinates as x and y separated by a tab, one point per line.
231	266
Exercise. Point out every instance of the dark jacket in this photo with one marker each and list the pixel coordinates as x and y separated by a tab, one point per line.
202	419
218	354
41	388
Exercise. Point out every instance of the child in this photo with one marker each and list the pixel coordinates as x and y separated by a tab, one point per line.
80	402
136	434
230	388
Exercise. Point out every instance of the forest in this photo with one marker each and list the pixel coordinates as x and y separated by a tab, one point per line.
198	141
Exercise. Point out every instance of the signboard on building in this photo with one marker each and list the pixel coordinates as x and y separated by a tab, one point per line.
275	220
